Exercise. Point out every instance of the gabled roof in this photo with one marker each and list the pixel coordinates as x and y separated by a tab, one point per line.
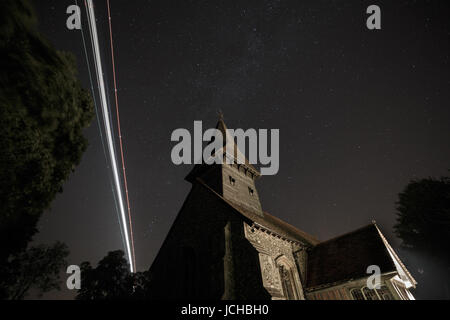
347	257
269	222
277	225
403	273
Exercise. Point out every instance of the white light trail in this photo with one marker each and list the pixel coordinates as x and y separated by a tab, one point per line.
108	129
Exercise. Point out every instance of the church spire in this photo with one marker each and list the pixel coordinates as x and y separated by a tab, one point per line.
220	113
230	149
232	180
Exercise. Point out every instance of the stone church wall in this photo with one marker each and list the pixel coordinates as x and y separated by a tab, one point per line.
274	252
206	254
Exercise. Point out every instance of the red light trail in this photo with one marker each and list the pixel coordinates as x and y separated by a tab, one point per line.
119	131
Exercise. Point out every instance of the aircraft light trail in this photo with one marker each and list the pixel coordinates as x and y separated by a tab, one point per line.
120	133
108	130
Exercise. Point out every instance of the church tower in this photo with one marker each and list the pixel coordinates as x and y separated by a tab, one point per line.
233	181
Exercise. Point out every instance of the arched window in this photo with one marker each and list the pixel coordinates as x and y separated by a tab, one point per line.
290	280
365	293
384	293
370	294
288	283
357	294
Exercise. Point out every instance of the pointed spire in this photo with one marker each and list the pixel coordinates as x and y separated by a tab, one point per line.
229	145
220	114
229	150
221	126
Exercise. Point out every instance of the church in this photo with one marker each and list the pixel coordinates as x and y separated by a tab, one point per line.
223	245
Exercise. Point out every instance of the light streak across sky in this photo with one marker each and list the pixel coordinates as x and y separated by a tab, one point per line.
108	131
119	131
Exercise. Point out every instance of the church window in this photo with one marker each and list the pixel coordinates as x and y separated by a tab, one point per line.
250	191
288	283
367	294
370	294
232	181
384	293
357	294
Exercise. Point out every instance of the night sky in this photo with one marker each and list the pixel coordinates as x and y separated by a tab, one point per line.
360	112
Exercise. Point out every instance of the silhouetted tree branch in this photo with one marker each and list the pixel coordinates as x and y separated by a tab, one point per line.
43	111
38	267
423	224
112	279
423	216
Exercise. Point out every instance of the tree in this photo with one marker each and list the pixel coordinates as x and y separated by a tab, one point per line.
112	279
38	267
43	111
423	224
423	221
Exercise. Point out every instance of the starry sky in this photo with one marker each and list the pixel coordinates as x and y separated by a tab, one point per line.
360	112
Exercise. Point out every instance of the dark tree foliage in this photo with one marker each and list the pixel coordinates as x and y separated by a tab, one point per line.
423	221
112	279
423	224
35	268
43	110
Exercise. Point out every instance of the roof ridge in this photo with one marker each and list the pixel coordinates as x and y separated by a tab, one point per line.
395	256
346	234
254	218
351	254
292	226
